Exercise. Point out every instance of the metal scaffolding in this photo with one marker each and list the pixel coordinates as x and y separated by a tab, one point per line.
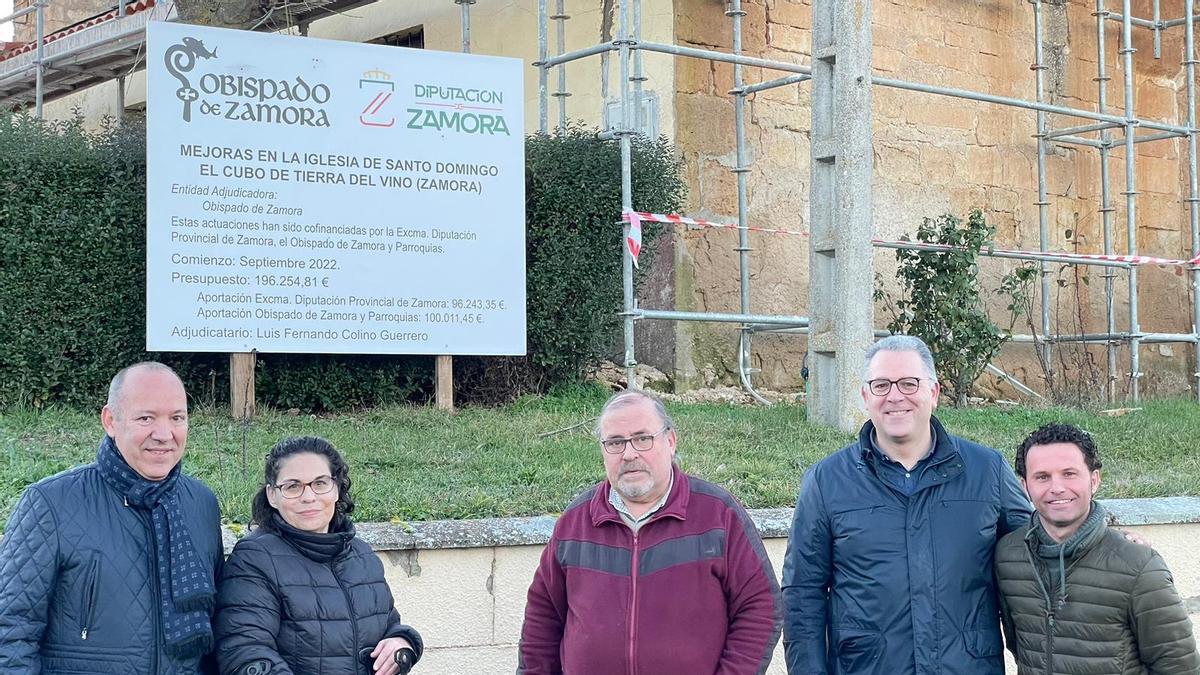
1111	131
113	49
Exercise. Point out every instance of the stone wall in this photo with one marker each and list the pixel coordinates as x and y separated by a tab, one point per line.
463	583
932	155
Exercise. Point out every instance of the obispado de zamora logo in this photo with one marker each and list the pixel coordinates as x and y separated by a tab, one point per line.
293	102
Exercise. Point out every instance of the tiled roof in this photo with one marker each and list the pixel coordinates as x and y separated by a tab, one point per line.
10	49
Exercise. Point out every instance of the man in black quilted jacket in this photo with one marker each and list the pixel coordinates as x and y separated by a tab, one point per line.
109	567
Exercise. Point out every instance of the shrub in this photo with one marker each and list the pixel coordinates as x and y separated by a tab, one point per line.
941	302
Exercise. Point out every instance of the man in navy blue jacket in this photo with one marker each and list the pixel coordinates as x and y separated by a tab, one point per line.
889	563
109	568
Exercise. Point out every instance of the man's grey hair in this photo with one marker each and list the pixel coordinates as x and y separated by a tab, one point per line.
628	397
118	382
901	343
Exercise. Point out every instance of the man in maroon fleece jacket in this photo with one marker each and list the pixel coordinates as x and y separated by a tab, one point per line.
652	571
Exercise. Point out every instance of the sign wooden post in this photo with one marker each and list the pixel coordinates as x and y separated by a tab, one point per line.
443	383
241	385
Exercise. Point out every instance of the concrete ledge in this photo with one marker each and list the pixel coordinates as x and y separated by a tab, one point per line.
1157	511
772	523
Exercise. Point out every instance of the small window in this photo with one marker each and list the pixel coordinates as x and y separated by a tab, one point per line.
413	38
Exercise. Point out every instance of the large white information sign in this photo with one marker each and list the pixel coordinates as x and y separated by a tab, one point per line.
317	196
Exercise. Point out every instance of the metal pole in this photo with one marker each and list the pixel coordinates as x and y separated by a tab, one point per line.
626	194
1141	23
1012	255
39	87
1043	203
1127	51
1189	60
543	104
720	317
601	48
736	13
466	24
120	100
908	86
561	17
1158	30
638	75
1106	207
771	84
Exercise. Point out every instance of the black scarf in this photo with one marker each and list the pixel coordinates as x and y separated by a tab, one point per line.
186	607
320	547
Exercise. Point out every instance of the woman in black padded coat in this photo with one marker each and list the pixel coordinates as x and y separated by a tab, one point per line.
301	595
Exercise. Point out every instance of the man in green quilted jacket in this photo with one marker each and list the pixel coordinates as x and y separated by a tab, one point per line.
1078	597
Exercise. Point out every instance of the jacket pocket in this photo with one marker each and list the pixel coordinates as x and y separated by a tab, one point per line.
984	643
87	610
858	651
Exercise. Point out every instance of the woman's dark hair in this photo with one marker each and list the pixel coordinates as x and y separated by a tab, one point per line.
261	509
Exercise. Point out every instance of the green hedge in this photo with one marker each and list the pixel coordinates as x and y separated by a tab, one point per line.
72	284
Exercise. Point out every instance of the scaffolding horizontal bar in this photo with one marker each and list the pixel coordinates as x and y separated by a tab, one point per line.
1159	137
19	13
1079	140
1180	21
722	57
1013	255
1021	103
718	317
1142	23
578	54
766	327
772	84
1086	128
1170	337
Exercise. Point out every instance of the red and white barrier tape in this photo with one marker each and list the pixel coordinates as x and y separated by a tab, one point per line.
638	217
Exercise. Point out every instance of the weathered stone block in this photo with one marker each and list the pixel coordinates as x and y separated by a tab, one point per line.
444	593
790	13
511	576
929	111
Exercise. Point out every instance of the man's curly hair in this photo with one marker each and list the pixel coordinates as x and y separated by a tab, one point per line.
1056	432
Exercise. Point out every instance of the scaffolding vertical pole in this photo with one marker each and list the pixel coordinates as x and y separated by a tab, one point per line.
466	24
841	212
1106	207
1127	51
1043	201
543	103
120	100
1189	60
638	75
40	71
741	169
560	16
626	194
1158	28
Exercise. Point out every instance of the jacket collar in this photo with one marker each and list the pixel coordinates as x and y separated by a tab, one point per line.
602	511
945	463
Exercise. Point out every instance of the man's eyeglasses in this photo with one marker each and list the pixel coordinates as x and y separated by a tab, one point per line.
883	386
294	488
641	442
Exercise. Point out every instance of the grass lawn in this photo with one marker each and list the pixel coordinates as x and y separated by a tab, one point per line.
418	464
